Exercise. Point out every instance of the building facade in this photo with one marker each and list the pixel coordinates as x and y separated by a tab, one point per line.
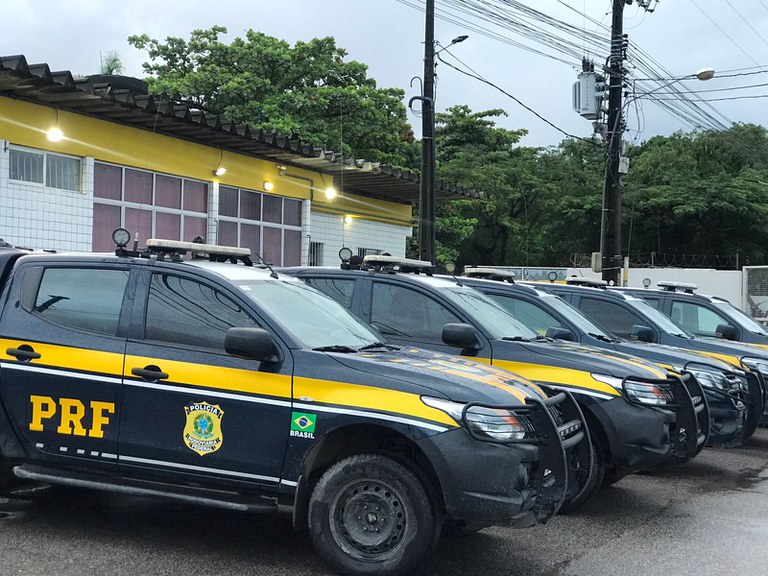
78	160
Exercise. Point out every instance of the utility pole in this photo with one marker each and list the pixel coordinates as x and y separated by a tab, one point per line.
427	201
610	228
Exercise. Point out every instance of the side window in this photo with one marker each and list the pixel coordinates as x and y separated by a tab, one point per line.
405	313
697	319
655	302
529	314
340	289
611	317
183	311
83	298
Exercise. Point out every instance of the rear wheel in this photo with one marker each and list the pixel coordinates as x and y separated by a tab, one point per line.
369	514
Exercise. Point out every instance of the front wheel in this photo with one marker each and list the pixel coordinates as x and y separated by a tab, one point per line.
369	514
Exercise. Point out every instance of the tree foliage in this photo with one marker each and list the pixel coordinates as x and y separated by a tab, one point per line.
306	89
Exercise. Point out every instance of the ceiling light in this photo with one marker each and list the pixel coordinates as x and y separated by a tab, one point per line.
55	134
330	192
268	185
220	171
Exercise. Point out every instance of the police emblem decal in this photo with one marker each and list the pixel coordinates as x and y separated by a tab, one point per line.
303	425
202	431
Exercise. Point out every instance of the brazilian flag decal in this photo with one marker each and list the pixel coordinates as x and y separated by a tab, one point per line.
301	422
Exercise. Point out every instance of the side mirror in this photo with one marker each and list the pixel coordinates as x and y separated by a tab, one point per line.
726	331
642	333
252	343
461	336
557	333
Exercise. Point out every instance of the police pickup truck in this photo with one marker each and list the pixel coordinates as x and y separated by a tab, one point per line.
183	371
639	415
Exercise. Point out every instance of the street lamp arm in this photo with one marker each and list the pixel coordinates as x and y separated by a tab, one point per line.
703	74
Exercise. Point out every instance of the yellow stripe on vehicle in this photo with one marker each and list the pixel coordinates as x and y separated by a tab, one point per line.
555	375
220	378
734	360
368	397
65	357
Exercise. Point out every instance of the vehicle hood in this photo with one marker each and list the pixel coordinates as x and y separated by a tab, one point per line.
443	375
728	351
593	360
675	358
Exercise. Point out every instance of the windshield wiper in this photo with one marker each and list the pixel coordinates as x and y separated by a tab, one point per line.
601	337
335	348
516	339
378	345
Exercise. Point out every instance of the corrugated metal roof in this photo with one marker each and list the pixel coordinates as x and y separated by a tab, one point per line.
93	96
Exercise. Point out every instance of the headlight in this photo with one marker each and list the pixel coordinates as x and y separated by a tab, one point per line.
758	364
646	393
708	379
493	423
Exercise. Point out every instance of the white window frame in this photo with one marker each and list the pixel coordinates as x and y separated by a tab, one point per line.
45	154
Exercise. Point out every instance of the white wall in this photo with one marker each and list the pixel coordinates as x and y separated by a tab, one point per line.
334	234
724	283
34	216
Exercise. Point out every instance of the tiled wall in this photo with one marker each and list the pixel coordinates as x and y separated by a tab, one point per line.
35	216
330	230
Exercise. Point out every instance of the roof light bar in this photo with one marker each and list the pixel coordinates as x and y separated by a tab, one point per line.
155	245
677	287
591	282
489	272
380	260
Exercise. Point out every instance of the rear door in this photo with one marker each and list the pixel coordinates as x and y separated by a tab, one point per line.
61	360
189	408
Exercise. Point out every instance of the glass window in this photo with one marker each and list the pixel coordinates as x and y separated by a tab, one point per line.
86	299
697	319
167	191
183	311
250	237
26	166
273	250
405	313
195	196
168	226
105	220
107	181
227	234
194	227
138	187
273	209
612	317
339	289
227	201
62	172
292	242
291	212
529	314
250	205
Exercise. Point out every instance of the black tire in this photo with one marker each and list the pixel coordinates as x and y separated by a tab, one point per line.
594	483
369	514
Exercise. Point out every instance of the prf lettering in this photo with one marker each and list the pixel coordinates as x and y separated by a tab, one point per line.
71	412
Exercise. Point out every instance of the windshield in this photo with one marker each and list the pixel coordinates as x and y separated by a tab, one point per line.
311	317
499	322
575	315
741	318
662	322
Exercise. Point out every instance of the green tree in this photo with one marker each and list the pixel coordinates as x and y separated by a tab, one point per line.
111	63
307	89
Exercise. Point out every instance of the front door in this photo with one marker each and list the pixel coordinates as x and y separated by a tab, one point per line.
188	407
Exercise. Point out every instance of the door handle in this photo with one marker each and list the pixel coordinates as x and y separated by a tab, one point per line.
24	353
149	373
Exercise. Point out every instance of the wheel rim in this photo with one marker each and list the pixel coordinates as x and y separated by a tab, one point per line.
368	519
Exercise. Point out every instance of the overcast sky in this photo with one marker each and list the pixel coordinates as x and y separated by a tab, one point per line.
388	36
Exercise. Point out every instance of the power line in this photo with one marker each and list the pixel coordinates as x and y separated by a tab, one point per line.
500	89
725	33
